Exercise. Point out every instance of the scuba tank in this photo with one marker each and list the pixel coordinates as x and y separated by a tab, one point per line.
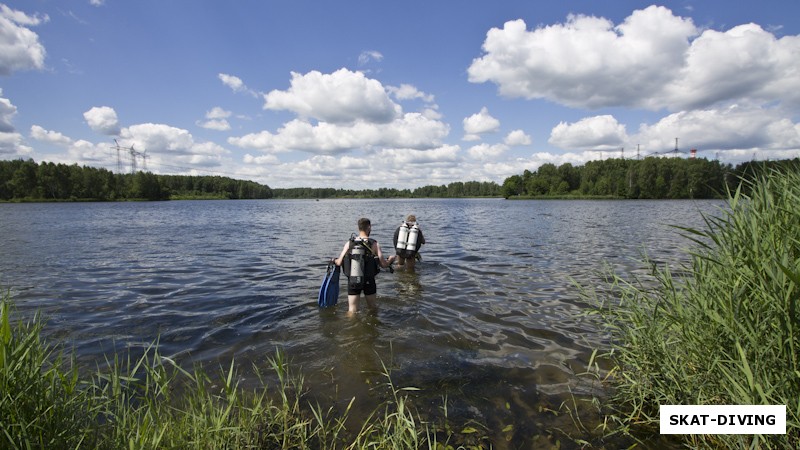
357	258
413	235
402	238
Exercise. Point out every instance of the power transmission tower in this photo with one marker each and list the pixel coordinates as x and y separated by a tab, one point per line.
133	155
676	151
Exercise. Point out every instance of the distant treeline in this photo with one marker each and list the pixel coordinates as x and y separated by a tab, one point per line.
452	190
649	178
27	180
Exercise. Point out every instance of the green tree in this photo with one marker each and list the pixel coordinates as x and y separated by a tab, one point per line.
571	175
548	178
23	181
678	185
512	186
51	184
455	189
648	172
146	185
537	186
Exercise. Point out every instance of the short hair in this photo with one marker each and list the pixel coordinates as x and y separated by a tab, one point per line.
411	218
363	224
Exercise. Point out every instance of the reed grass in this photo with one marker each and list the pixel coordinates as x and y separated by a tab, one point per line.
150	402
726	331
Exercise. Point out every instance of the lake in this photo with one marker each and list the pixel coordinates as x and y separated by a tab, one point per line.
490	321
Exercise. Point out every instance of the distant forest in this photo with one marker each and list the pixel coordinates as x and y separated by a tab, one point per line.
27	180
456	189
649	178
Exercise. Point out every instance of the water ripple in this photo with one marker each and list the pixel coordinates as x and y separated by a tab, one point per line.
492	316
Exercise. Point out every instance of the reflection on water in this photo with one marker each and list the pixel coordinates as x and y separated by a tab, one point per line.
489	319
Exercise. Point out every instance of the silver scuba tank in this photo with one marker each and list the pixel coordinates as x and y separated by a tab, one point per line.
357	263
402	237
413	235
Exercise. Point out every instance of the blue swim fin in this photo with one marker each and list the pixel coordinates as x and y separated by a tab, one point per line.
329	291
321	295
333	287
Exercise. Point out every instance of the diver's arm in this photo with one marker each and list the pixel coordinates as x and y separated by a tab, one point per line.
338	261
383	262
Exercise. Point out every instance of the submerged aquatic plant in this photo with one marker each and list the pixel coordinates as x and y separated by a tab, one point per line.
726	331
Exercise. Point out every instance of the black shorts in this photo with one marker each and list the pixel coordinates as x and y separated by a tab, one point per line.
369	288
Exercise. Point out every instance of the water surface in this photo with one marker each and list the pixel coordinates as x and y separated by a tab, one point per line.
490	319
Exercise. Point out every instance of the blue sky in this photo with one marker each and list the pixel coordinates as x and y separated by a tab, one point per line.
366	94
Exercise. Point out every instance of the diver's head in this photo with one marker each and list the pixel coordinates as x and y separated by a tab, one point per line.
364	225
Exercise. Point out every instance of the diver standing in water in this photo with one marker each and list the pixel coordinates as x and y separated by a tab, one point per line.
408	239
360	260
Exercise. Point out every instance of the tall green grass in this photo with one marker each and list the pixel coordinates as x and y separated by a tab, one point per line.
725	331
42	403
150	402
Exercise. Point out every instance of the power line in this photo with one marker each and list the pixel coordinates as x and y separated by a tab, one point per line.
133	155
204	170
195	168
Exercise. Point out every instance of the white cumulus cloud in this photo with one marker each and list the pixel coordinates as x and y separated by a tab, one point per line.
478	124
11	143
103	120
346	111
654	59
731	128
233	82
12	146
403	158
744	63
339	97
261	159
409	92
161	138
216	119
413	130
86	152
487	151
517	138
53	137
20	48
7	112
591	133
167	145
